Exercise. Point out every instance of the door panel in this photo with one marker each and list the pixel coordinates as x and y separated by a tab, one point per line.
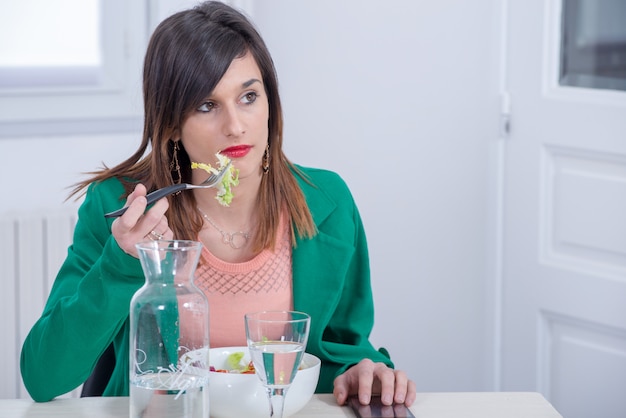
584	358
564	262
583	200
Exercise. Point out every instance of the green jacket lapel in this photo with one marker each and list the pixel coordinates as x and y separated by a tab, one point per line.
319	264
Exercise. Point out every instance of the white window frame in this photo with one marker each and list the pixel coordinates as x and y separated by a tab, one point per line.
113	103
551	65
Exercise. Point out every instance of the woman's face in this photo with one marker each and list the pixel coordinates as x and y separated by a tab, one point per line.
233	121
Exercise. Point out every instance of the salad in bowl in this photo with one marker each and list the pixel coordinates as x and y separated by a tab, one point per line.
236	391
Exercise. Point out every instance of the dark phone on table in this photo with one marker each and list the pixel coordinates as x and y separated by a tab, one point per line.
376	409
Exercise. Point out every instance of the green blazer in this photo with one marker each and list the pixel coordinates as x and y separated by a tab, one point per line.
88	306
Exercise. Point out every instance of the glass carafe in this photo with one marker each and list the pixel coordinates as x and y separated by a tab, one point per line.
169	335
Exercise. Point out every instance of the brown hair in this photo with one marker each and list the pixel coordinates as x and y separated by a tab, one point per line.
187	55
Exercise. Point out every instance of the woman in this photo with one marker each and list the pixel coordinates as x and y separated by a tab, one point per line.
290	239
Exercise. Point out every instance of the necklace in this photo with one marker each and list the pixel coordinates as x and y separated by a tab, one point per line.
236	239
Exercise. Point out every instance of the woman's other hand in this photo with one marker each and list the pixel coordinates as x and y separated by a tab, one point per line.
137	225
367	378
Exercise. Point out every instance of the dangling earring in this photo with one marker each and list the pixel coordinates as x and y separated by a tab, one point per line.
266	159
174	163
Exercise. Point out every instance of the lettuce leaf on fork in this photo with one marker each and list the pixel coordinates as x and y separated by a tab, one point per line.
224	189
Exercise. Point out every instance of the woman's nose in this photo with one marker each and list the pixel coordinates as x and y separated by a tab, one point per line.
233	124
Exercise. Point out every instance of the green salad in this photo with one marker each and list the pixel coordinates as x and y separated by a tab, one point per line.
235	365
224	190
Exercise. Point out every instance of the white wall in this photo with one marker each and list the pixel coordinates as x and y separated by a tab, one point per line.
38	171
405	87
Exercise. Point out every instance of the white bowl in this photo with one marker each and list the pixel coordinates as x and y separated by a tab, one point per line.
243	395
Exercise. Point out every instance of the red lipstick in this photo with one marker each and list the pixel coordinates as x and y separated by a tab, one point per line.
236	151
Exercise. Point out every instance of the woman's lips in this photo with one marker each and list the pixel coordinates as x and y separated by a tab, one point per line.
237	151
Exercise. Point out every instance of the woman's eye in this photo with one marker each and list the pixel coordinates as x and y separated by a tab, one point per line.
249	98
206	107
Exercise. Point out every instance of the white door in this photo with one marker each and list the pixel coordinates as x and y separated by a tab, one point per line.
564	239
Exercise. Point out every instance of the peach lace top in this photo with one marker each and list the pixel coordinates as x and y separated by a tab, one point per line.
234	289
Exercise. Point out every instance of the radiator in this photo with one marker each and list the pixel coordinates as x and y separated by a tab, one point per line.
32	248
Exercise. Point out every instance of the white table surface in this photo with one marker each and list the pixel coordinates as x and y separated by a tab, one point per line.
427	405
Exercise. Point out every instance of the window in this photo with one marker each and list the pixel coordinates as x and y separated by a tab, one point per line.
71	65
593	50
63	50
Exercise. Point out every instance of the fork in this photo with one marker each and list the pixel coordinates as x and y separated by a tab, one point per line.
212	181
